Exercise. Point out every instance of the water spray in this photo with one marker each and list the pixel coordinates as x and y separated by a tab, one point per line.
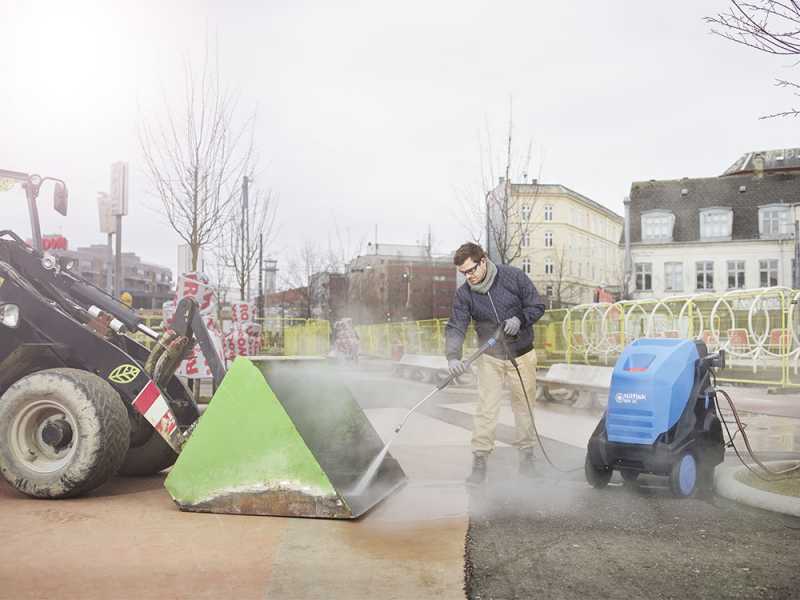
369	474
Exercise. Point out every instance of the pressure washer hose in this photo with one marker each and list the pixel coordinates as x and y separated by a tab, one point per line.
530	412
773	474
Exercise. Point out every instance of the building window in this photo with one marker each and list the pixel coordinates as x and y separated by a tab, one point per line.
548	239
548	212
735	274
768	272
705	274
549	268
673	277
657	225
716	223
526	239
526	265
644	277
773	221
548	290
526	211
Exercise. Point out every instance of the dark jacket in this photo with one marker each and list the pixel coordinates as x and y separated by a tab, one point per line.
513	294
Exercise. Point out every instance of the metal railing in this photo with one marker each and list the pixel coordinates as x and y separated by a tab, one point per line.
759	329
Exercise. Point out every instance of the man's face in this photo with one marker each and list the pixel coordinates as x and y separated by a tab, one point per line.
473	271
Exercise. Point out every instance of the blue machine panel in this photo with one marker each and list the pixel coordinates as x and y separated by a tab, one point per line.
650	387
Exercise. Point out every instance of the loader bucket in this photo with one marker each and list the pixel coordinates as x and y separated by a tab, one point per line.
281	438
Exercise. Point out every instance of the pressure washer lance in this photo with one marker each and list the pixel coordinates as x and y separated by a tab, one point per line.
369	474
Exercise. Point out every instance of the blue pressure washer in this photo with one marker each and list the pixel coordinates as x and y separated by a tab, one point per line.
661	418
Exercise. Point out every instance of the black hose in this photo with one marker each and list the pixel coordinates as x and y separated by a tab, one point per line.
514	363
772	474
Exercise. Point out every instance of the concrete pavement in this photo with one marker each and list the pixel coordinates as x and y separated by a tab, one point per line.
127	540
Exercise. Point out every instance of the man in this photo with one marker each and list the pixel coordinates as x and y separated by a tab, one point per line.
492	296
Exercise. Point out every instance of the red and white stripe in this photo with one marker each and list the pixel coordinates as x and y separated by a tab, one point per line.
152	406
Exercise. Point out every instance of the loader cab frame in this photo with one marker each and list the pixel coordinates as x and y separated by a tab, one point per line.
32	185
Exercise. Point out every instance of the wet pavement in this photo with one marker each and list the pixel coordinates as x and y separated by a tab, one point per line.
550	537
555	537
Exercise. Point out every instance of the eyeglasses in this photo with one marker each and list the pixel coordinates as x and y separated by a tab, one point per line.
471	271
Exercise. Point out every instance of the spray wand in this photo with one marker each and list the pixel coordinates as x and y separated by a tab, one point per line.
491	342
369	474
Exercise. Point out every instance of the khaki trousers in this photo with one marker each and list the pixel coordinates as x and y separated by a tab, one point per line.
492	372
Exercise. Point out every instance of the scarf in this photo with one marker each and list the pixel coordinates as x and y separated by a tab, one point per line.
488	280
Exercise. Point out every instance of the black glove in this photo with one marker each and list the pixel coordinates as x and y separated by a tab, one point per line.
456	367
511	326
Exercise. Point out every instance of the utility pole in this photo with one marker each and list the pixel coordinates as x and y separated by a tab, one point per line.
118	260
119	208
245	290
796	270
260	308
107	226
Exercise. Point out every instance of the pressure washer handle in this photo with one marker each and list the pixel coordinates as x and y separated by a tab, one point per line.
491	342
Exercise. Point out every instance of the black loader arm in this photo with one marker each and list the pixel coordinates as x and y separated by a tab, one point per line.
189	322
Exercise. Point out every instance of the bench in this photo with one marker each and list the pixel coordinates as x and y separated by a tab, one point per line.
428	368
583	380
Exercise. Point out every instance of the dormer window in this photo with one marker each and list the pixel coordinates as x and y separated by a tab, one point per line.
773	221
657	225
716	223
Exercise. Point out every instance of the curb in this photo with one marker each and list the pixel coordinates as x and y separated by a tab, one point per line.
726	485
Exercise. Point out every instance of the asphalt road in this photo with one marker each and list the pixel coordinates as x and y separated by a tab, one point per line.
555	537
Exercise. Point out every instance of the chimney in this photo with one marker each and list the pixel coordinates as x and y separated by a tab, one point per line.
758	166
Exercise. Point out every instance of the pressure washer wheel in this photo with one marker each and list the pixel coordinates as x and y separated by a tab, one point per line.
683	478
598	477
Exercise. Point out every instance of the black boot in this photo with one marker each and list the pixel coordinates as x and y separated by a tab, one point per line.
527	466
478	475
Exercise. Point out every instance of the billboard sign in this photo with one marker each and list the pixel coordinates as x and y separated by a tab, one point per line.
119	189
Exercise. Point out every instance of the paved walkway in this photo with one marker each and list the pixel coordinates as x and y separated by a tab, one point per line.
129	541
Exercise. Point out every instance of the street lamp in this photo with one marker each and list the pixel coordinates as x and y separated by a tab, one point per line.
796	262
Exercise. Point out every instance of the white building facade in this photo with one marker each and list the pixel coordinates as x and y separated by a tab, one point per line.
716	234
566	242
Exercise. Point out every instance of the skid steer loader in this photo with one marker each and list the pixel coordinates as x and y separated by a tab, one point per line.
81	400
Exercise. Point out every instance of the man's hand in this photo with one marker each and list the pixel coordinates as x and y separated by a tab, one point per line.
511	327
456	367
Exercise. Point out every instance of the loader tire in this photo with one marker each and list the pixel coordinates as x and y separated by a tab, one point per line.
63	432
148	453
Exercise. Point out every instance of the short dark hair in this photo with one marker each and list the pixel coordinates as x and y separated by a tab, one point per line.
468	250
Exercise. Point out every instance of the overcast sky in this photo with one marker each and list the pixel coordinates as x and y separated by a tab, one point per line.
370	113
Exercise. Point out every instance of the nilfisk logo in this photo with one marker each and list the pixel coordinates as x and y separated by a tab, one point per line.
630	397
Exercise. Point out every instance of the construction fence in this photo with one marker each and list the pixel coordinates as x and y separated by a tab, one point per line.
278	336
759	329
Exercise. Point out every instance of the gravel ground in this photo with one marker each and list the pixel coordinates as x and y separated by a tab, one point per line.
555	537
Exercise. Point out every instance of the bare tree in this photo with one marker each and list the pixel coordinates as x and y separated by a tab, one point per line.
196	155
301	267
770	26
566	289
498	215
343	246
251	221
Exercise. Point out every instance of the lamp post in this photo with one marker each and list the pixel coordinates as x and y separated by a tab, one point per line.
796	262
